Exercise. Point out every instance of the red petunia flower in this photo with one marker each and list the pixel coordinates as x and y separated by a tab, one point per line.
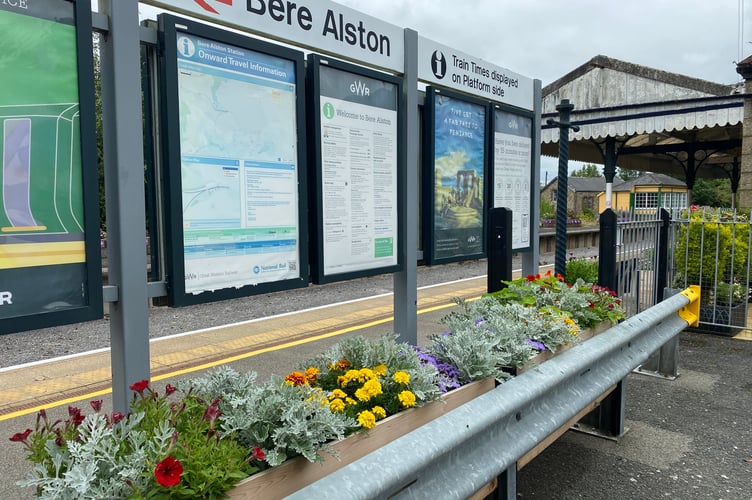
169	389
258	453
96	405
75	415
530	277
117	417
20	437
167	472
140	387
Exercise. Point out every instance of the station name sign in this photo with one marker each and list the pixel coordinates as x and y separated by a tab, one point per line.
316	24
447	67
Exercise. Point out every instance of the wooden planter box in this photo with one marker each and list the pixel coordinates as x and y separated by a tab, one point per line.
546	355
298	472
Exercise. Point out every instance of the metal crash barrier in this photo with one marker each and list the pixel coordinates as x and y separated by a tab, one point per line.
459	453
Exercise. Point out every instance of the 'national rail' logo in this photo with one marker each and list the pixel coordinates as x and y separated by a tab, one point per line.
204	4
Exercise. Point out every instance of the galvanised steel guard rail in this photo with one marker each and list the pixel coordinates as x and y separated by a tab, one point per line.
458	453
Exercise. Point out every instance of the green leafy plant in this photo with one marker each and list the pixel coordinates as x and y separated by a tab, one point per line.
584	269
166	447
587	304
284	420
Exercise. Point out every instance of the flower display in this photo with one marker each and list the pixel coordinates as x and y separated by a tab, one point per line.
165	447
200	438
369	380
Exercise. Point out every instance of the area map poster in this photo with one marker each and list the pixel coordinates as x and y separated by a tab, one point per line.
357	165
50	267
456	154
239	175
512	172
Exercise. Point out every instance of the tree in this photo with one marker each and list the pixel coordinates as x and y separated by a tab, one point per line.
587	170
712	192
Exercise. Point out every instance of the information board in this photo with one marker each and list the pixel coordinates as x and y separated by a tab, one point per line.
358	212
233	166
50	262
512	171
454	191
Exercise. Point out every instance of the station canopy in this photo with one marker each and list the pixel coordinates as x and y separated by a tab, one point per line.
657	119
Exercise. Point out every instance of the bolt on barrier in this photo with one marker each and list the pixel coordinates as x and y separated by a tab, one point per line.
460	452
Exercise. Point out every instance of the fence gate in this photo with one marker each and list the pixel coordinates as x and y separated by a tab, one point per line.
711	248
637	251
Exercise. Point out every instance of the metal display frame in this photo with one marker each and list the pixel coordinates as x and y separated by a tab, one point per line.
316	220
169	26
80	19
430	256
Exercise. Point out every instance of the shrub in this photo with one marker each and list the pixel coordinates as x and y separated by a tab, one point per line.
584	269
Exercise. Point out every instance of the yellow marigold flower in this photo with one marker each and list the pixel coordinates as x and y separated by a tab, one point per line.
350	401
337	405
373	387
365	374
370	389
366	419
337	394
569	321
362	394
295	378
379	412
312	373
407	399
574	330
402	378
380	370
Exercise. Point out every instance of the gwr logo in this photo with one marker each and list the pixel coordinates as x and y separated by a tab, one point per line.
360	88
204	5
6	298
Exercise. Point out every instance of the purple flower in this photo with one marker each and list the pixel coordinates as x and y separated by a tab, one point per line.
540	346
480	321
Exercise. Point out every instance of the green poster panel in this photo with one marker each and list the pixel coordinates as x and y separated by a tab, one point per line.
50	270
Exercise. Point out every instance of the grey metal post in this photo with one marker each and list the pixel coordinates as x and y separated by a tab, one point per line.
405	282
530	260
124	188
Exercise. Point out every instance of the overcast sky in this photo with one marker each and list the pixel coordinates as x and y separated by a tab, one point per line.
546	39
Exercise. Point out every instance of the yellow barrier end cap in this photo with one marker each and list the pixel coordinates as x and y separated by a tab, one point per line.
691	312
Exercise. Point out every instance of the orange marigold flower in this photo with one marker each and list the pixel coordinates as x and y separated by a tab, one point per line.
296	378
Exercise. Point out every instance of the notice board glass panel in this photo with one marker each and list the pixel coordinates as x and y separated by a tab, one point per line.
357	161
234	113
512	172
50	261
455	180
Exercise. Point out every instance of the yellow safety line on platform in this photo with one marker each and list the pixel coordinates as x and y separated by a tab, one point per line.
744	335
230	359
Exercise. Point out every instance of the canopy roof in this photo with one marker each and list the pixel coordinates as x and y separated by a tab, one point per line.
657	118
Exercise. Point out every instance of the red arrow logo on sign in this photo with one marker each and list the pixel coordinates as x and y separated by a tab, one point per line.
204	5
